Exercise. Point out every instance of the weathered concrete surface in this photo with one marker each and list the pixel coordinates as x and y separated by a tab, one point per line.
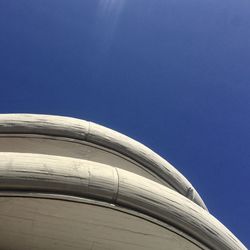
95	172
93	133
80	178
49	145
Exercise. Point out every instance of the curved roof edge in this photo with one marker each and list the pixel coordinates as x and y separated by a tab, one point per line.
80	178
88	131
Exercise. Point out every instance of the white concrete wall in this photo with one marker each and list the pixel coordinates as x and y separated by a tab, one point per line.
56	173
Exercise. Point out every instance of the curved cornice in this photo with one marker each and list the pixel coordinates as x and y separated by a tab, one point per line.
87	131
81	178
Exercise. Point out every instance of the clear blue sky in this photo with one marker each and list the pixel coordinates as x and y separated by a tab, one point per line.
173	74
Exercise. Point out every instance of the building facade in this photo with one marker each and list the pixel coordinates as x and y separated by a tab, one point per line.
67	183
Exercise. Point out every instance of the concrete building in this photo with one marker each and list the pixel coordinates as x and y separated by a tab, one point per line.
66	183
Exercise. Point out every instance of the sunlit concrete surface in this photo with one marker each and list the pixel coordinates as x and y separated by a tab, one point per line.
66	183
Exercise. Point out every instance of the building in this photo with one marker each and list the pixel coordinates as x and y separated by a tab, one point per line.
66	183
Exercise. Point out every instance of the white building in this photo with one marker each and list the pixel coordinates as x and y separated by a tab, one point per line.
66	183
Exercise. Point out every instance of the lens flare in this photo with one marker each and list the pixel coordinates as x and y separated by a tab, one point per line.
109	13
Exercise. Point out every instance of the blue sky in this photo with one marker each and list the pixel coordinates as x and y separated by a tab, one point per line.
172	74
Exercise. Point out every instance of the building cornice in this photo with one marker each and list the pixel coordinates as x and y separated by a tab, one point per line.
67	176
90	132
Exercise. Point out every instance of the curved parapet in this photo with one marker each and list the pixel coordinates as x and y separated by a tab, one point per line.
66	176
71	184
84	131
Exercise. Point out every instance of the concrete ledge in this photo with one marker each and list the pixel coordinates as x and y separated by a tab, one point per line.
93	133
80	178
